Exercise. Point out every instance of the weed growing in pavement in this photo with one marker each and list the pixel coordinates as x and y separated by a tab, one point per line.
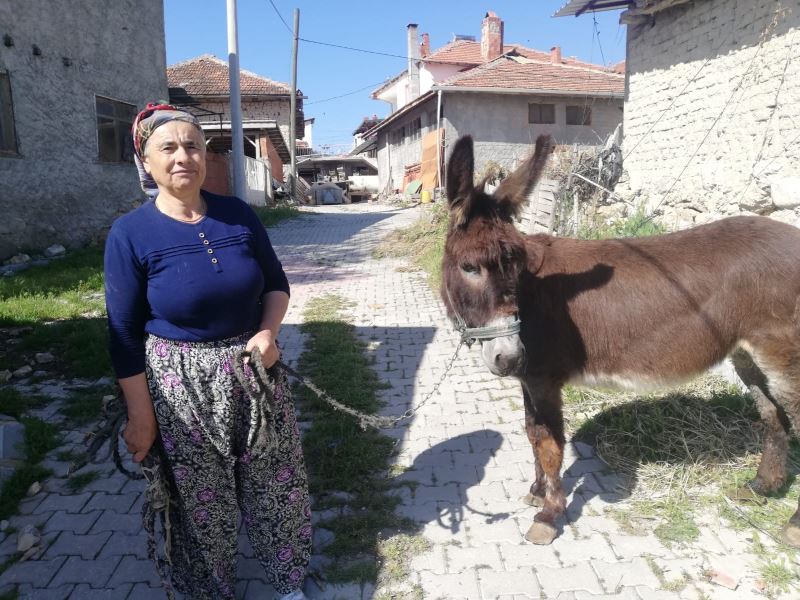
79	481
347	466
86	405
272	215
14	403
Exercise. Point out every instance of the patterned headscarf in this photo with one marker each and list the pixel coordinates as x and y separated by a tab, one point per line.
145	123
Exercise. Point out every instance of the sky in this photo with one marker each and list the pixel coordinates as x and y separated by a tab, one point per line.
195	27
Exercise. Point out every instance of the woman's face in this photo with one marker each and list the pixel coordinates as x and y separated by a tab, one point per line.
175	156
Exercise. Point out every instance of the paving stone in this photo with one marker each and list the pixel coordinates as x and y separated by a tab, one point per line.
118	503
459	560
134	570
452	587
121	544
581	577
624	594
28	592
621	574
250	568
500	531
76	523
63	503
93	572
109	520
87	546
142	591
29	506
38	573
573	551
494	583
84	592
434	560
525	554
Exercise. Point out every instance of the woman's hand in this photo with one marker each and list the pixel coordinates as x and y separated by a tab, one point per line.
140	433
264	340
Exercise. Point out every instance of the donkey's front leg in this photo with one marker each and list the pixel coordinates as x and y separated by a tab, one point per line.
535	496
548	442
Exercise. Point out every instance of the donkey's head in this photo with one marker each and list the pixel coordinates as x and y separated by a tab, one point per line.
485	253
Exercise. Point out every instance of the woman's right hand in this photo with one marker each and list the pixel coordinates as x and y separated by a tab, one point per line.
140	434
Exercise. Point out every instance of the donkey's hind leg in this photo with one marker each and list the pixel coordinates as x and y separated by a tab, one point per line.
771	473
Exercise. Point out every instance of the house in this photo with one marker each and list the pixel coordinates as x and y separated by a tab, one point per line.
712	107
503	95
201	85
357	176
67	103
365	146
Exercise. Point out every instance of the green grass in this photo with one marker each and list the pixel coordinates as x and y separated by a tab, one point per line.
77	482
272	215
63	304
340	457
14	403
85	406
635	225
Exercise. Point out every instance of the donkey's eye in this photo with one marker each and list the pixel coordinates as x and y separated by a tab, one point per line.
470	268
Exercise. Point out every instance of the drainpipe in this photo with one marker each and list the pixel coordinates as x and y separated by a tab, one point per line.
439	137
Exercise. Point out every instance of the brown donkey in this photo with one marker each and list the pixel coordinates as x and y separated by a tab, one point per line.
628	312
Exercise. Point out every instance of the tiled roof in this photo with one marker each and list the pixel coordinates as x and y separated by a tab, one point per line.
207	75
523	73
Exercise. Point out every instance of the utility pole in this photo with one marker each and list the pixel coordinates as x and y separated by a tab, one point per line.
293	116
237	137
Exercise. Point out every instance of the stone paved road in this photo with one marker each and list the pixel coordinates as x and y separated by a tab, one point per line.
465	448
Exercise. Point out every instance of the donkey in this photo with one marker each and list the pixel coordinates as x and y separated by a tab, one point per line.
628	313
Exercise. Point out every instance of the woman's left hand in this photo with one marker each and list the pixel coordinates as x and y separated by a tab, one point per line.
264	340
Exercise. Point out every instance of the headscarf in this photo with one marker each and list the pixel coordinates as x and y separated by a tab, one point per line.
145	123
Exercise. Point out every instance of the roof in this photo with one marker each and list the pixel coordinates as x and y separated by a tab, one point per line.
399	113
521	74
367	123
578	7
364	146
207	75
252	127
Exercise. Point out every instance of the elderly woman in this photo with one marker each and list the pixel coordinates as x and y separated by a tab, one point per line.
191	282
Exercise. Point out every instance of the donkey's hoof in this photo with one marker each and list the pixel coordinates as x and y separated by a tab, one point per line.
791	535
746	495
541	534
532	500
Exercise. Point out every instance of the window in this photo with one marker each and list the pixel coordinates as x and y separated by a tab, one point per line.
396	136
541	113
579	115
8	135
414	129
432	120
114	121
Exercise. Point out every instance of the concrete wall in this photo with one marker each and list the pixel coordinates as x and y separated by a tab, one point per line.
741	109
499	123
56	189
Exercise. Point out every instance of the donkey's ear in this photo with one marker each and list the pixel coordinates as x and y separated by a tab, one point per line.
514	190
460	171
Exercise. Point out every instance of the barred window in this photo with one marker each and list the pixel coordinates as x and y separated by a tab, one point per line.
541	113
579	115
114	121
8	134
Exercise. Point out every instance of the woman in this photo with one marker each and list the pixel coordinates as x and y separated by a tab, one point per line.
191	282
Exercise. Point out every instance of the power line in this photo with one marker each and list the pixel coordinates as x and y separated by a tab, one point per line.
280	16
355	49
597	32
361	89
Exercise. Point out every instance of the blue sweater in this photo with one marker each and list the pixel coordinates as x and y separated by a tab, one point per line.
193	282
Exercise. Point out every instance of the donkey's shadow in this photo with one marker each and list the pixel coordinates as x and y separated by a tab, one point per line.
677	429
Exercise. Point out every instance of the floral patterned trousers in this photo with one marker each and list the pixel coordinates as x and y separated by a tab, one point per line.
205	419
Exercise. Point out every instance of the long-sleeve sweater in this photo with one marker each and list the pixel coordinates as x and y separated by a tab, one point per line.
193	282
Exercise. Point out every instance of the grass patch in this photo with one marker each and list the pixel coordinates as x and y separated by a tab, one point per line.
77	482
84	406
635	225
14	403
422	242
778	576
63	305
340	457
272	215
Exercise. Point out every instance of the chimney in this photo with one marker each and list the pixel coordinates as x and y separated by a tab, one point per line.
555	55
413	67
491	37
425	46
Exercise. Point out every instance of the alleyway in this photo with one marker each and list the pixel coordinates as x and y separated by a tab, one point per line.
466	445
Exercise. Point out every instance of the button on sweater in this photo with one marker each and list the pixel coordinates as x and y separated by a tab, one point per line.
193	282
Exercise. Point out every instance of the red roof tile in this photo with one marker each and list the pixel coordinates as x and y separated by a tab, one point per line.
207	75
528	74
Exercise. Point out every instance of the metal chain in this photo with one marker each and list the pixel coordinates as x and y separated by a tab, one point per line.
365	420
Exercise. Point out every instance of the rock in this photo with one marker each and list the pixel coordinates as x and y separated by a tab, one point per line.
107	399
55	250
104	381
30	553
34	489
785	191
5	376
9	270
3	525
22	372
40	374
784	216
322	537
724	579
28	538
17	331
12	439
18	259
44	357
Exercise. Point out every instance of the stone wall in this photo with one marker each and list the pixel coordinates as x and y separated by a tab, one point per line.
499	124
720	78
394	157
55	189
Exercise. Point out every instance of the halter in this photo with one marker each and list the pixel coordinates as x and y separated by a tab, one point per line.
470	335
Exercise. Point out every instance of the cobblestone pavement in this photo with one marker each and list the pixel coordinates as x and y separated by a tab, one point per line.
465	447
